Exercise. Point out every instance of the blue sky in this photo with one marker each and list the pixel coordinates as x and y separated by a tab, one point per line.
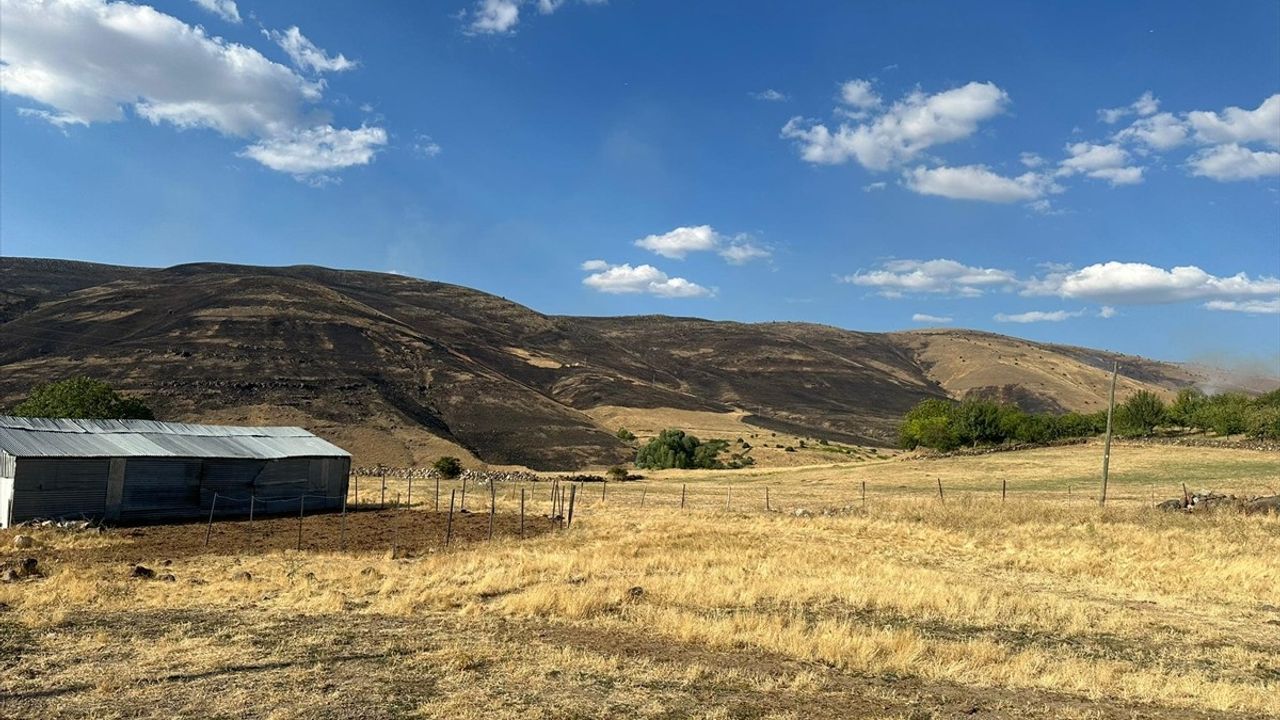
1098	174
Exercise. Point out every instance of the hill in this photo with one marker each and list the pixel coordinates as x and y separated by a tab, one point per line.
399	370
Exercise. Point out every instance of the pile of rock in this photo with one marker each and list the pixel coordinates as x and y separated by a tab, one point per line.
1204	501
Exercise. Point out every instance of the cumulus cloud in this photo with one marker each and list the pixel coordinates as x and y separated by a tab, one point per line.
977	182
1131	283
647	279
500	17
1237	125
678	243
858	94
318	150
426	147
1254	307
897	278
1229	162
226	9
926	318
1143	106
1106	312
1106	162
1037	316
769	95
88	60
305	55
901	132
1159	132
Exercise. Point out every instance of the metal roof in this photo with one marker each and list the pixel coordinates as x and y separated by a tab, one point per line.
44	437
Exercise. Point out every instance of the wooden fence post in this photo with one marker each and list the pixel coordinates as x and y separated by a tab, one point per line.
573	493
342	536
940	498
522	513
864	494
493	501
643	491
209	530
683	487
604	490
1004	488
302	509
766	500
448	528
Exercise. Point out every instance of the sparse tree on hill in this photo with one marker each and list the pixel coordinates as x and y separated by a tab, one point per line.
626	435
448	466
81	397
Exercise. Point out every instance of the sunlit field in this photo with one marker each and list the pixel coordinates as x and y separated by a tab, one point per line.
905	605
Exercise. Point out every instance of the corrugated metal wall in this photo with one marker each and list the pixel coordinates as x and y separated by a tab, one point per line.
60	487
6	498
158	489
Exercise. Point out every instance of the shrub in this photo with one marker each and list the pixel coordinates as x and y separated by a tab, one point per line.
676	449
448	466
625	435
81	397
617	473
1187	407
1140	414
1263	422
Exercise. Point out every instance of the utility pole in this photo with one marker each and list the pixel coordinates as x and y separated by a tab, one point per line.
1106	446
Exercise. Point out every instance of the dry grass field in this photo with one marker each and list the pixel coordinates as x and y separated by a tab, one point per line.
1043	605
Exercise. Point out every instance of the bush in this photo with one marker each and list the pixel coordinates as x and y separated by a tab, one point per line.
617	473
1263	422
1187	407
1224	414
625	435
1140	415
448	466
675	449
81	397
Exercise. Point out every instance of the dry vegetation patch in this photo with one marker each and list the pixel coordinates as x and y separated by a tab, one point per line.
1041	606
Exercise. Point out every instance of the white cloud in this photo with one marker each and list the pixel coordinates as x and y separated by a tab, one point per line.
925	318
1106	312
1031	160
770	95
226	9
58	120
495	16
1106	162
1037	316
625	279
318	150
872	187
1143	106
680	242
1158	132
499	17
89	59
858	94
1256	307
977	182
1233	162
899	277
1237	125
305	55
426	147
740	252
901	132
1130	283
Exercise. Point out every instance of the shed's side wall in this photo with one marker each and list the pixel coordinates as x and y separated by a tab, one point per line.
59	488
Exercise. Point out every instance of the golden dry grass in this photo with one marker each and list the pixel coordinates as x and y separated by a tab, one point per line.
1042	606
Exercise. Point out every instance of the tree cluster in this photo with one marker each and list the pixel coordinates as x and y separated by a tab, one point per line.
84	398
677	449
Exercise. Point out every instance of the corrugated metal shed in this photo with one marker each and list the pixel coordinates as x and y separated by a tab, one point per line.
40	437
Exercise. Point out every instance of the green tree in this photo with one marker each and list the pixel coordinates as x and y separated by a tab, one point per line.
1140	414
448	466
977	422
676	449
1263	422
81	397
1225	413
1186	408
929	422
626	435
